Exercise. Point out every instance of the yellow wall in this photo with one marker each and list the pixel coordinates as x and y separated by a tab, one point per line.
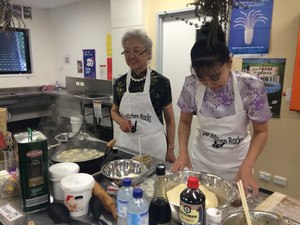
281	155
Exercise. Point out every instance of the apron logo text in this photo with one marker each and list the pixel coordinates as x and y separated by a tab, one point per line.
218	143
142	116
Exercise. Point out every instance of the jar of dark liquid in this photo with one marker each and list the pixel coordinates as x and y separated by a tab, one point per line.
160	210
192	204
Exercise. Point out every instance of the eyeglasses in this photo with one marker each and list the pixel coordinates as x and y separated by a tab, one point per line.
134	52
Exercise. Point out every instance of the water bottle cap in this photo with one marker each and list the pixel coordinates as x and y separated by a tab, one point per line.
193	182
126	182
137	193
160	169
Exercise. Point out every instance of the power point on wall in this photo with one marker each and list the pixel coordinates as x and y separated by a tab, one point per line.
280	180
264	176
82	84
77	83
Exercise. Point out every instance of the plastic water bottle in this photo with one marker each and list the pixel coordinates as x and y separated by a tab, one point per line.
138	209
56	86
124	195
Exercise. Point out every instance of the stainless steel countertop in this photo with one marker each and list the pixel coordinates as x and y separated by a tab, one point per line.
6	94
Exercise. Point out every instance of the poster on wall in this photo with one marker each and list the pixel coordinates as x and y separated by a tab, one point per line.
89	63
271	71
250	29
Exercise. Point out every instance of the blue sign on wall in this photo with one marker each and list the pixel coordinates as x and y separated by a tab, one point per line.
89	63
250	28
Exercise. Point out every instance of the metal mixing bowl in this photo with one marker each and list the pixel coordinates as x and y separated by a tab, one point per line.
257	218
224	190
116	170
64	137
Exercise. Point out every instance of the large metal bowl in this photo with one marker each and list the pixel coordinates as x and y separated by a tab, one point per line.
257	218
116	170
67	137
224	190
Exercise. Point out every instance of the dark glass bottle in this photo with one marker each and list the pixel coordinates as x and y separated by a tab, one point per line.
192	204
160	210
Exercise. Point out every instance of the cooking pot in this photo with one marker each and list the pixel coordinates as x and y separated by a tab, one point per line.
90	165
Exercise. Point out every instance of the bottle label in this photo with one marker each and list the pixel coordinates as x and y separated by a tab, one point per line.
140	218
122	208
190	214
35	168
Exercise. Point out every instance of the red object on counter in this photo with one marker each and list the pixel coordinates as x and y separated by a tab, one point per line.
295	96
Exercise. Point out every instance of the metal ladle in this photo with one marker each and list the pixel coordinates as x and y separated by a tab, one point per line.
73	136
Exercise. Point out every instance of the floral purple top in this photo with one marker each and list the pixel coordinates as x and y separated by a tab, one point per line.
219	104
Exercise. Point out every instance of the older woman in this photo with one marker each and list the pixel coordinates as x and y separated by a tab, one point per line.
141	98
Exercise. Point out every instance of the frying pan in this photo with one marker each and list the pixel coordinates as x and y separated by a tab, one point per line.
87	165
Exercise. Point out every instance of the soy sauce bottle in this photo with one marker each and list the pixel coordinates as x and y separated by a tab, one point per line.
160	210
192	204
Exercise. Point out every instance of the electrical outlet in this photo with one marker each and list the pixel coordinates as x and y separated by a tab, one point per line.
77	83
264	176
280	180
82	84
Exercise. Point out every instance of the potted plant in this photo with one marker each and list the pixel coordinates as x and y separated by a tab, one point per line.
8	17
218	10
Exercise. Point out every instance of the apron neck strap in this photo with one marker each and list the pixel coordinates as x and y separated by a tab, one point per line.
147	81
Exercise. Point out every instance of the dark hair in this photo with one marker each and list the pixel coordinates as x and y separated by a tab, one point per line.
205	55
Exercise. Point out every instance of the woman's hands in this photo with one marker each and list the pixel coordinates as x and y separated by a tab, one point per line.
125	125
246	175
181	162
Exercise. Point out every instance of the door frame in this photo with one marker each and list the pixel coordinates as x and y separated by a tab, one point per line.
160	16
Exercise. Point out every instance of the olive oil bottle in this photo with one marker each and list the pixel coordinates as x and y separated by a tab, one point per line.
192	204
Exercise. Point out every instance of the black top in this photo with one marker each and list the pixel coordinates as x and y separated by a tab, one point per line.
160	90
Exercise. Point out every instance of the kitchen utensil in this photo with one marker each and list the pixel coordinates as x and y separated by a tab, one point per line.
59	213
257	217
224	190
116	170
244	201
88	166
281	204
96	209
71	136
78	131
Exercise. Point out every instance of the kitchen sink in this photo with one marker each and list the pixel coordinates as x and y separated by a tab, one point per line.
91	95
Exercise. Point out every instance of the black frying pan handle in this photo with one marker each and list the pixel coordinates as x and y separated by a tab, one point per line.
78	222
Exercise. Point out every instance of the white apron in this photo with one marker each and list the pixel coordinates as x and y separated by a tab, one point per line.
138	107
220	145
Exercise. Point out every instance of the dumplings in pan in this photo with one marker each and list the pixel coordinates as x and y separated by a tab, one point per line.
78	155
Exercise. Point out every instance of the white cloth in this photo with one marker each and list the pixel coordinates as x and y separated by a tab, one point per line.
220	145
138	107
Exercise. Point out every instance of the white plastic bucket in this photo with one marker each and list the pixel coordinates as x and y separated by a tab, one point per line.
77	189
57	172
76	122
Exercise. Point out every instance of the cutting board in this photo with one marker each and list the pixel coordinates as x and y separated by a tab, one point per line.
282	205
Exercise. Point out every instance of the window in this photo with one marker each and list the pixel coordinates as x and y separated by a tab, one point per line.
14	52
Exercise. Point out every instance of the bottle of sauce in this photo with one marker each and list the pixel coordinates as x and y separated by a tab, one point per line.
192	204
160	210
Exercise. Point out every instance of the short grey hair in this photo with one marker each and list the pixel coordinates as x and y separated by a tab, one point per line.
147	42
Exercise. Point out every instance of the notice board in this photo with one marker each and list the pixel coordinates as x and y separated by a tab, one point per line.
295	97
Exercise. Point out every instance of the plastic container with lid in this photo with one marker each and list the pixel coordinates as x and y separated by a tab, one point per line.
57	172
77	190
